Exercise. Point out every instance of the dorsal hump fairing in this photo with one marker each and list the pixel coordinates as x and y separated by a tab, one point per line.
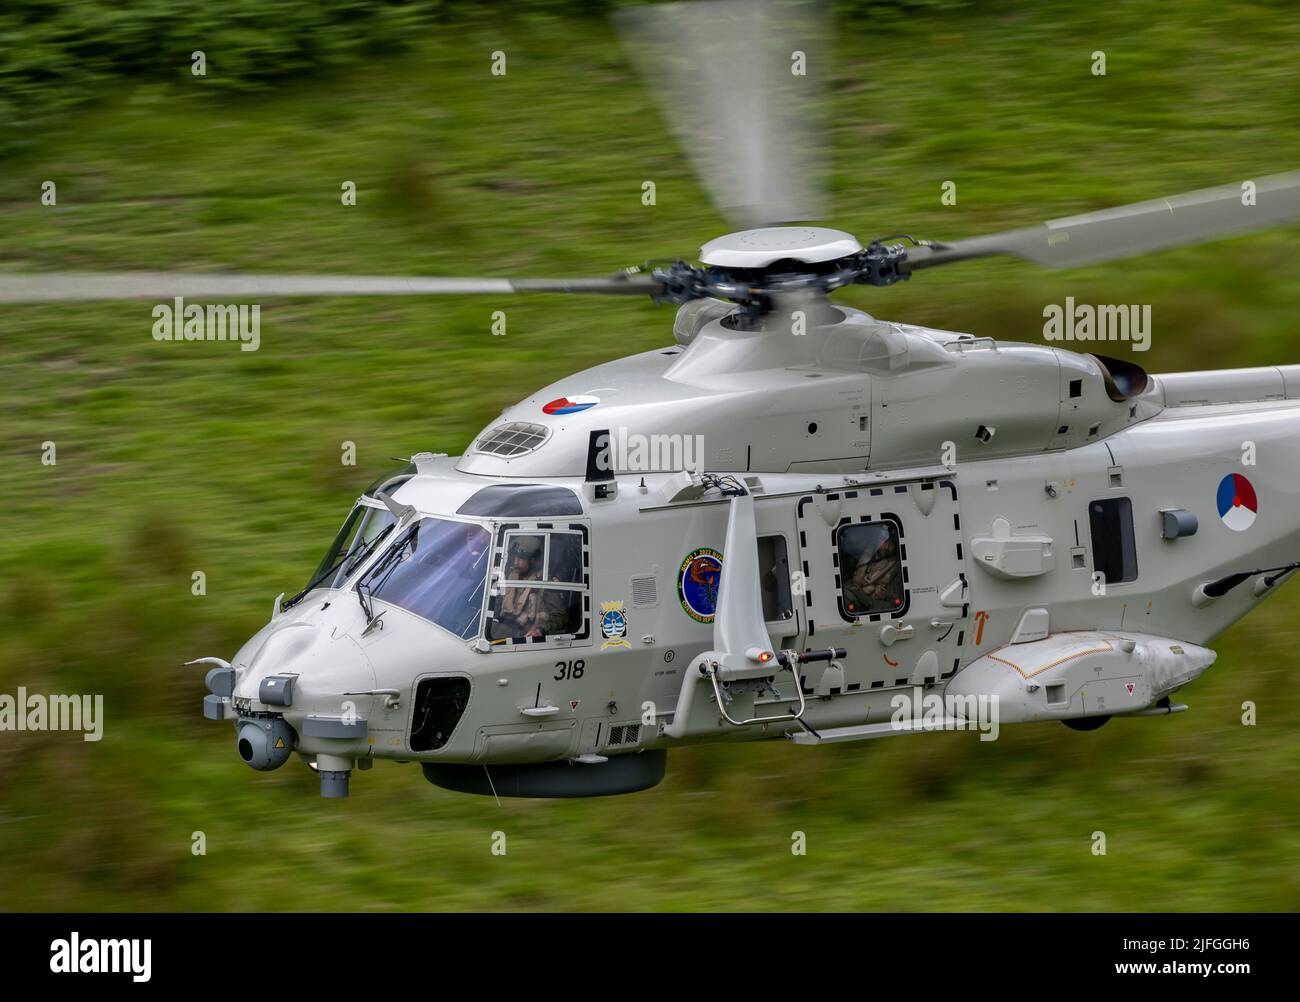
849	393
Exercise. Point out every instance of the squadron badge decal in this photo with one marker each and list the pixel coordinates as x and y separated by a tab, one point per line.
697	583
613	624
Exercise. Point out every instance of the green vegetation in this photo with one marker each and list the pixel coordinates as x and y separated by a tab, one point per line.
179	457
58	55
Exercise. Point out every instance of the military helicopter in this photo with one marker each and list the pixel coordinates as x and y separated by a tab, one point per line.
786	522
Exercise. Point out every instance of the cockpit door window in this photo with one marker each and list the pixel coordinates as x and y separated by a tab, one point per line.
542	593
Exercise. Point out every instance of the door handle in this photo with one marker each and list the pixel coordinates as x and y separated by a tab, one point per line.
891	633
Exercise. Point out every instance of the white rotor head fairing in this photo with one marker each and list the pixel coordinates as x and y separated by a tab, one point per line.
761	247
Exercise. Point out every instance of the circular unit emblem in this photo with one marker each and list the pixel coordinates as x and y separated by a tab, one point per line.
1237	502
697	583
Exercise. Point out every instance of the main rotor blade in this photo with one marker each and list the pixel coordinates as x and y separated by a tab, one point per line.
1196	217
72	287
740	84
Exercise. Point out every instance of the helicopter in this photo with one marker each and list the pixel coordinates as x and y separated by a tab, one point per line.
793	521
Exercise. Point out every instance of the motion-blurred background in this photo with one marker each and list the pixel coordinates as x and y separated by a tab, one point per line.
177	457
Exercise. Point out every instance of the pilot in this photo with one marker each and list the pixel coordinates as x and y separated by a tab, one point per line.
520	610
875	580
461	600
475	543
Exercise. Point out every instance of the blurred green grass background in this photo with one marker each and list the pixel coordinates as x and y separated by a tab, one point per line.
196	456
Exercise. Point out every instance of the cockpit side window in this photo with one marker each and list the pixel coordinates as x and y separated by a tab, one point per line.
525	557
564	557
542	591
363	531
373	526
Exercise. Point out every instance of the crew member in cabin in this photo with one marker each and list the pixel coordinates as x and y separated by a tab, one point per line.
520	611
876	583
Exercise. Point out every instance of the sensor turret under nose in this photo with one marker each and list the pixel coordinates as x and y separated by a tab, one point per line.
264	743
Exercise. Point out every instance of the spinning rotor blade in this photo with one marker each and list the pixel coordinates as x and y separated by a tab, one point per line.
1196	217
72	286
739	82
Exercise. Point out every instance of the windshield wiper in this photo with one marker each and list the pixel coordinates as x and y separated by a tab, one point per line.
362	552
311	585
351	560
381	572
366	605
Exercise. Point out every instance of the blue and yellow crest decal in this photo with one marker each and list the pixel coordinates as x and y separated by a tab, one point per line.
613	624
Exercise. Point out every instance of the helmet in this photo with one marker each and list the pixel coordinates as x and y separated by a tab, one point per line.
529	547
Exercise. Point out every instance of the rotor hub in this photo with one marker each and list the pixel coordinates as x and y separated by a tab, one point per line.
768	245
770	270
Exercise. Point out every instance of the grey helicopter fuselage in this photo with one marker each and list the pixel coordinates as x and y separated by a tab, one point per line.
1051	531
794	521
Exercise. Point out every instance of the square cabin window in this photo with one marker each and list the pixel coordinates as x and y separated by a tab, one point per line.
871	568
1114	552
774	579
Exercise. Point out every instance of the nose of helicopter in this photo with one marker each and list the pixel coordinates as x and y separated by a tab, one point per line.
323	661
302	685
